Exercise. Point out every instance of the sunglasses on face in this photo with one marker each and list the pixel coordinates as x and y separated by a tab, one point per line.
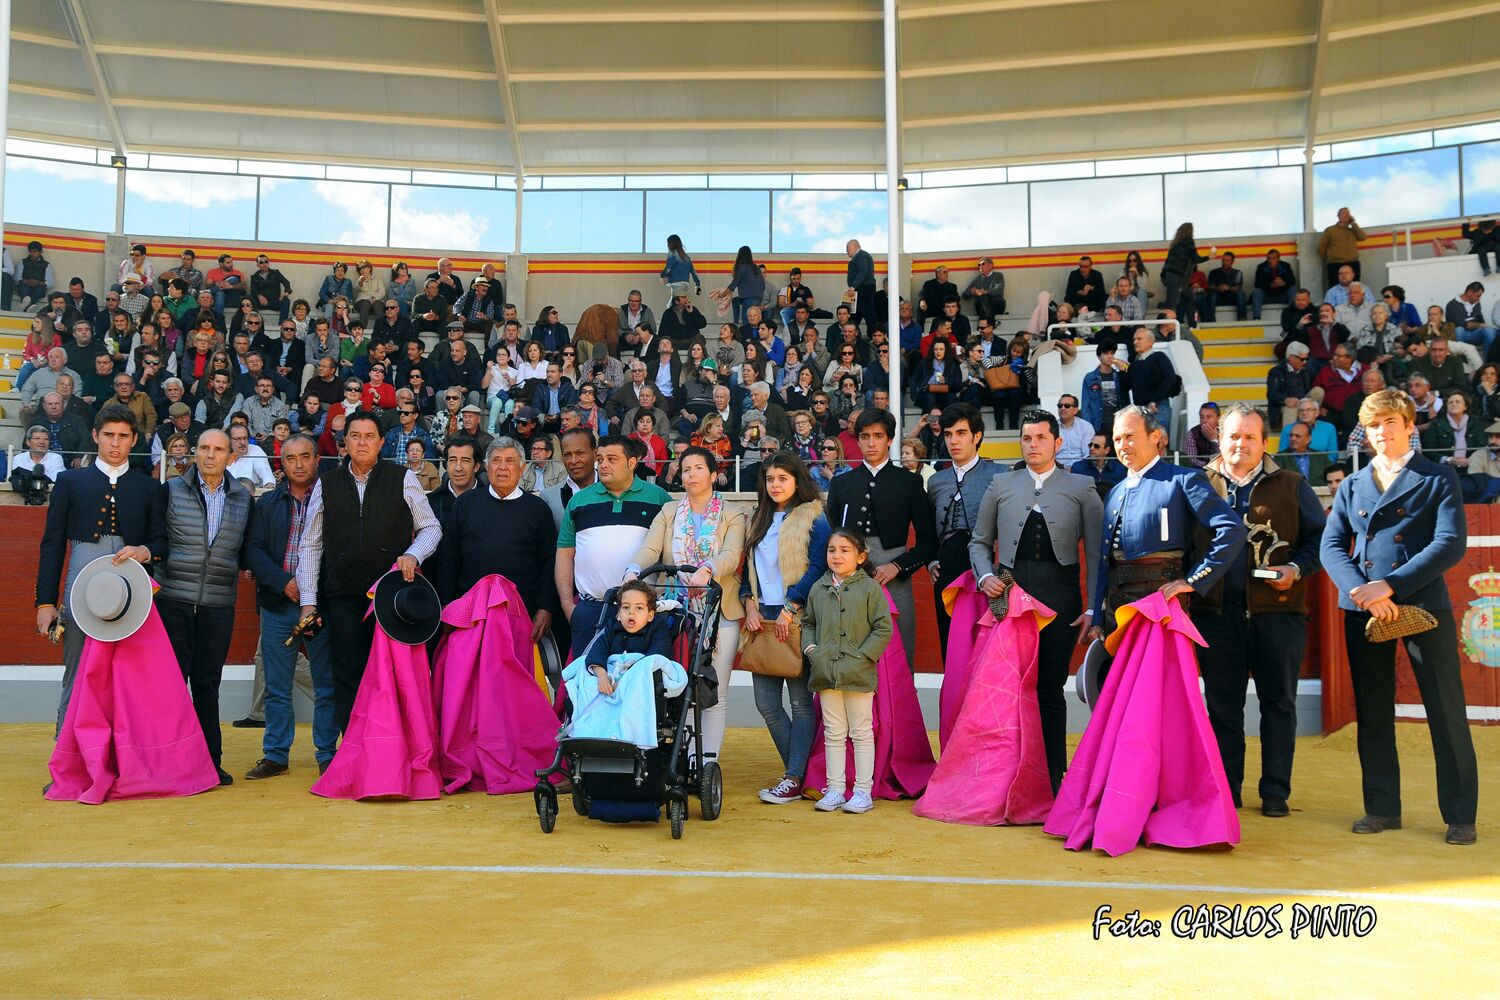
1067	406
408	413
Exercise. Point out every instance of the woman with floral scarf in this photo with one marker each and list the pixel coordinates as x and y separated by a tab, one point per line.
703	530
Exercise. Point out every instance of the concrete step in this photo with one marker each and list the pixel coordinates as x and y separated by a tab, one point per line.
1218	333
1228	372
1234	393
1239	352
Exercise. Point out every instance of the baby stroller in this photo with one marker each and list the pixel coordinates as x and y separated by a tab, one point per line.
617	780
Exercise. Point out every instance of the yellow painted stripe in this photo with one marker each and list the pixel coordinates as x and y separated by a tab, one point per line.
1001	450
652	265
1234	393
1217	372
210	253
75	244
1004	259
1213	333
1227	352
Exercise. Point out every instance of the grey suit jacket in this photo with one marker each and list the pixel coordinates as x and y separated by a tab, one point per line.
1070	505
553	496
943	484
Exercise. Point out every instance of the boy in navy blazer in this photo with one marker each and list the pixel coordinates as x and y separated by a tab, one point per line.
1397	525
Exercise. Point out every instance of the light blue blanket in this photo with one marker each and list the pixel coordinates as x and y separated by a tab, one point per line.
630	713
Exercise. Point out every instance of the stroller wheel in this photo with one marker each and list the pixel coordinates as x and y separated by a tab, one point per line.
546	812
710	790
677	813
580	801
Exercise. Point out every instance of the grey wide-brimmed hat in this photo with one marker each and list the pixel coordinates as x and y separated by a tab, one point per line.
1086	681
109	602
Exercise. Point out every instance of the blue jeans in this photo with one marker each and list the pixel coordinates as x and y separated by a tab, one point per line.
793	735
280	661
23	373
1481	338
1260	297
584	623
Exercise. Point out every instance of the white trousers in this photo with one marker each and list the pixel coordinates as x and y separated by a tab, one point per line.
849	715
717	718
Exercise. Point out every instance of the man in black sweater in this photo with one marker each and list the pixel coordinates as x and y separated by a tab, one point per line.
523	552
1152	376
1086	287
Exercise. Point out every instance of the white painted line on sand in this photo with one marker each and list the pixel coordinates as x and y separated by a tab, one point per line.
955	880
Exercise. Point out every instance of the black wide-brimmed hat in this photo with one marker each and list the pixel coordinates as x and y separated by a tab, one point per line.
407	612
109	602
1086	681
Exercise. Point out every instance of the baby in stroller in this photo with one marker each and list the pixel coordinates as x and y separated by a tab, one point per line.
610	700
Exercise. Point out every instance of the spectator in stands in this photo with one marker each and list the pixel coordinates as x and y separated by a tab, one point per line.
1182	262
1226	287
1484	243
633	314
264	408
1451	437
648	403
1403	313
681	323
215	406
1125	302
124	393
859	281
552	396
270	290
1325	437
41	338
830	463
1296	320
1338	292
1467	317
987	291
459	368
407	431
450	286
1104	469
1152	377
248	461
1337	473
44	380
1075	431
793	294
82	301
678	272
747	286
1322	337
33	277
1443	371
135	263
1300	458
1487	393
1104	390
98	384
430	310
1339	381
1376	343
132	302
1480	478
1286	384
186	272
1085	289
227	283
36	467
391	327
935	291
366	291
1202	441
1355	314
1274	282
1339	248
68	432
478	310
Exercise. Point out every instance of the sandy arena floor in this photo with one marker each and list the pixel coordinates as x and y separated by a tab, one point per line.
263	890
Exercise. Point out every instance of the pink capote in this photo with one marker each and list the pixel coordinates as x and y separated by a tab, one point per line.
1148	768
966	606
390	748
903	755
130	731
993	769
496	727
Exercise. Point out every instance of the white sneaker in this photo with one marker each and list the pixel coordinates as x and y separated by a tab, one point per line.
859	802
788	789
831	800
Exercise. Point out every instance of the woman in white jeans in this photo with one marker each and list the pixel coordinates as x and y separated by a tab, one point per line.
703	530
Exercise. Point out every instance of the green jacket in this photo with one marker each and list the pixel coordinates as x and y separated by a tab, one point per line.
844	631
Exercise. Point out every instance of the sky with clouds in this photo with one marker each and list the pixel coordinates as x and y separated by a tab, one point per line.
1407	186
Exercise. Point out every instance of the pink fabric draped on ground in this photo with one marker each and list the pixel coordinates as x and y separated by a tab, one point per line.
1148	769
966	607
903	754
130	731
390	749
993	768
496	727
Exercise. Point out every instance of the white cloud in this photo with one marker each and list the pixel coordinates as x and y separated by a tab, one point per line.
824	221
363	206
1481	171
452	230
1223	203
196	191
71	172
1389	189
965	218
1108	210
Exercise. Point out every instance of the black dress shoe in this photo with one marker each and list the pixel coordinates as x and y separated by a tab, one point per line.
249	723
1376	824
1275	808
323	766
1461	834
1238	804
265	769
225	778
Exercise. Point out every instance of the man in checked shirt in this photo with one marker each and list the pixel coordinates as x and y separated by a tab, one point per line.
377	515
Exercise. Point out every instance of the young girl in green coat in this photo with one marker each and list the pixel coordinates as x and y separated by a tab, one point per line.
846	625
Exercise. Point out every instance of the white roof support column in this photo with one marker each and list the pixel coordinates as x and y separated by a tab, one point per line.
1314	94
893	198
84	35
507	97
4	100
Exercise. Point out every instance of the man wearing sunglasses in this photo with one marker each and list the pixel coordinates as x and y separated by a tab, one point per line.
407	430
270	289
392	328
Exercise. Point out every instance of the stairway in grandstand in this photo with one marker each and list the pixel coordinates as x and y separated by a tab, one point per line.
13	327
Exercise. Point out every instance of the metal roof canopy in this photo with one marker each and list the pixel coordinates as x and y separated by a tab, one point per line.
624	86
